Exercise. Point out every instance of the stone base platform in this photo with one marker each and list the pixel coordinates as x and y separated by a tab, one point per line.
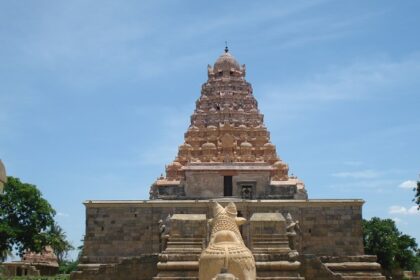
137	268
120	229
362	267
124	238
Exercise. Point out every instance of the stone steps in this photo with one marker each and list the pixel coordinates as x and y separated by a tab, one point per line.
281	278
355	268
364	277
175	278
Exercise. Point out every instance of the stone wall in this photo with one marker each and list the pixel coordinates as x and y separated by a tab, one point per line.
213	182
138	268
119	229
195	181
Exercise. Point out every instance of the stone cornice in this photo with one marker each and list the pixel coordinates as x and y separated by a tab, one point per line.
239	202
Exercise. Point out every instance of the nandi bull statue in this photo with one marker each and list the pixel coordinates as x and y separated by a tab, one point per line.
226	249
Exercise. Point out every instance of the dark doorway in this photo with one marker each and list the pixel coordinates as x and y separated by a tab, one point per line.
227	184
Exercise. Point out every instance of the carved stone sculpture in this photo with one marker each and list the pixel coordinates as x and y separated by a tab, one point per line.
226	248
292	230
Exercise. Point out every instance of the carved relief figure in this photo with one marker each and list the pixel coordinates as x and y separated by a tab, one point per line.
292	229
164	228
228	143
226	248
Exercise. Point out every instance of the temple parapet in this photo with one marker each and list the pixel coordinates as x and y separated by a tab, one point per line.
239	180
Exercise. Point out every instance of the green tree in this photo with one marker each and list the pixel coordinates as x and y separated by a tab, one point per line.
394	249
58	241
25	217
68	266
407	253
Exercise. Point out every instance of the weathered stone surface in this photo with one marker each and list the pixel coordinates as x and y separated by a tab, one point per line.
143	267
186	239
44	263
353	266
118	229
12	269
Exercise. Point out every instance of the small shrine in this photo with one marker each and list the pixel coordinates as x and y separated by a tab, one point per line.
33	264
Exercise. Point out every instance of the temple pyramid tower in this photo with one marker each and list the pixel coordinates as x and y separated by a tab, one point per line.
226	202
227	150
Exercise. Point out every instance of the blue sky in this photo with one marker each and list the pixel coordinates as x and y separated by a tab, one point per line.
95	96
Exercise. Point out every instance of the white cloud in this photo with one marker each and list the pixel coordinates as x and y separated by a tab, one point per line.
364	79
362	174
377	185
61	214
397	220
401	210
409	184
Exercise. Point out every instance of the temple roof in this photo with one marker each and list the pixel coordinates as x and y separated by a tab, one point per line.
227	127
226	61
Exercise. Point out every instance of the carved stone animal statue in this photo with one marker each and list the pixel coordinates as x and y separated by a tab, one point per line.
226	248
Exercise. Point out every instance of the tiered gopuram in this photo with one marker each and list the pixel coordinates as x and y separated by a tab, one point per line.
227	150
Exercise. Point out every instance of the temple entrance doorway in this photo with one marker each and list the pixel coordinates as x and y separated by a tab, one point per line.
19	271
227	185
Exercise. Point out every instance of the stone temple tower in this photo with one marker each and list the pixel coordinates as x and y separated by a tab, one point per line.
226	193
227	150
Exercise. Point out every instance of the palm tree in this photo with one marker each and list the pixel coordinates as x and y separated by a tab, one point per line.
6	253
58	242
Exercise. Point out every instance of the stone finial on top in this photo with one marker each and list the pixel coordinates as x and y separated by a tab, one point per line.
227	67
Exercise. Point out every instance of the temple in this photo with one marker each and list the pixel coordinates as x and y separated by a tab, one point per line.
226	208
32	264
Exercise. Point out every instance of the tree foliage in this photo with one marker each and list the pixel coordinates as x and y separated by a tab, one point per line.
24	217
394	249
57	239
27	221
417	195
